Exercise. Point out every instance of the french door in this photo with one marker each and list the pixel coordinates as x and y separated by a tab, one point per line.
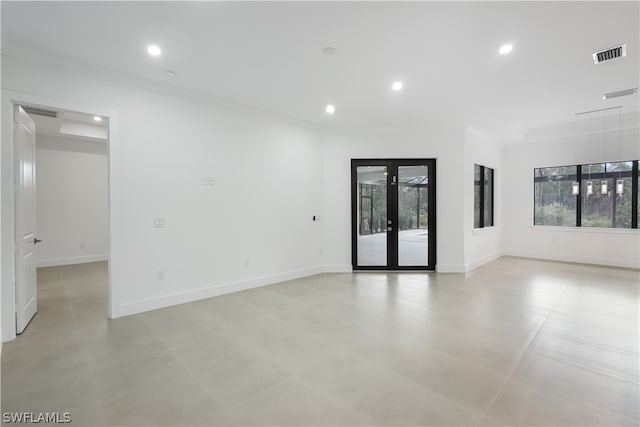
393	214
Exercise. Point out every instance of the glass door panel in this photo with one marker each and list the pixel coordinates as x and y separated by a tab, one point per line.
393	219
371	235
413	215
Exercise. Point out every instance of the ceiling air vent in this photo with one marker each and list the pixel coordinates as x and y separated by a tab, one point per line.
40	112
609	54
620	93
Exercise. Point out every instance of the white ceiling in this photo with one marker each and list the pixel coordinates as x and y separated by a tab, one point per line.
268	55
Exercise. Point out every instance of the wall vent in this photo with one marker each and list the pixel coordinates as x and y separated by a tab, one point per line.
609	54
40	112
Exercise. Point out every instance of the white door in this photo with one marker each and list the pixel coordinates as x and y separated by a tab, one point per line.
25	202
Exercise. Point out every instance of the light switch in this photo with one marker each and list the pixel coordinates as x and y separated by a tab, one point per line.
158	222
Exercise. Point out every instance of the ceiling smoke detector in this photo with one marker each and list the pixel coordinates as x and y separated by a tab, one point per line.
609	54
329	50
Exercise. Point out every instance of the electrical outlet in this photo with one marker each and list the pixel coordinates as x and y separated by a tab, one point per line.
247	262
82	245
160	274
158	222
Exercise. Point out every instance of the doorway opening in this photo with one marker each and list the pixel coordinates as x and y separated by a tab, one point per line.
393	214
61	219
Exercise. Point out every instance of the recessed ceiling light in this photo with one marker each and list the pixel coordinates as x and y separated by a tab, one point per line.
507	48
154	50
397	86
97	118
330	109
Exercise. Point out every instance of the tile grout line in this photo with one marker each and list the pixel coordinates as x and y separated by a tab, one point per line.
526	349
350	351
254	349
193	376
341	346
394	373
546	390
593	406
82	348
380	365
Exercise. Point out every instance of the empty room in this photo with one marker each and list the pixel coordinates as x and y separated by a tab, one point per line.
320	213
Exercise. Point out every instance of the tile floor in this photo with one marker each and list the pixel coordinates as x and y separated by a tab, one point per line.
516	342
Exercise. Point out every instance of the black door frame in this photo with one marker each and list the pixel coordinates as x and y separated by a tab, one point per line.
392	211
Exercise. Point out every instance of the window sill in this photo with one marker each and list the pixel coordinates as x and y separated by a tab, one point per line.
630	231
483	230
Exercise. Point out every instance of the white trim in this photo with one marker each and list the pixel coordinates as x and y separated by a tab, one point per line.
337	268
563	229
115	277
482	261
483	230
53	262
609	262
176	298
450	268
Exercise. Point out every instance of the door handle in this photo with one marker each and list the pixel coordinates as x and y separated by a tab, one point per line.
36	240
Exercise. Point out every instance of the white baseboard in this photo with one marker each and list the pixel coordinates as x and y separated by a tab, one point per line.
482	261
337	268
52	262
450	268
163	301
609	262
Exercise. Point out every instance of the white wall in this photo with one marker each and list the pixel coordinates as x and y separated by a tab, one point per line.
271	175
558	146
72	201
484	244
268	186
444	143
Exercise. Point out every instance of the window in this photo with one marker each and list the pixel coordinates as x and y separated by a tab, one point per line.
604	207
482	197
606	196
554	202
635	212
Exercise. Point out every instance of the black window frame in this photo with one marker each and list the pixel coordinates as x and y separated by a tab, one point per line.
579	177
392	212
482	196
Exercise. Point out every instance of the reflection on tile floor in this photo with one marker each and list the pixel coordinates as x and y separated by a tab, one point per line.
516	342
